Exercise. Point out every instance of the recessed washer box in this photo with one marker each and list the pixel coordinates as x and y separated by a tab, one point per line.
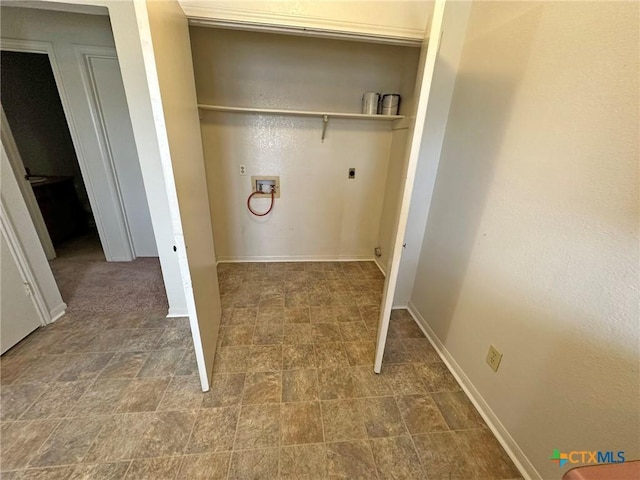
256	180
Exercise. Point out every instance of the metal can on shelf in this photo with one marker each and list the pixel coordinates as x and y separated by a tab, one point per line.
370	103
390	104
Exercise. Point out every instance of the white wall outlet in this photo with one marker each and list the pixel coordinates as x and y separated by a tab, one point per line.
493	358
243	170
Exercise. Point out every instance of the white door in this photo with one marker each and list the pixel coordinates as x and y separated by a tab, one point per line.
431	114
110	105
18	313
173	94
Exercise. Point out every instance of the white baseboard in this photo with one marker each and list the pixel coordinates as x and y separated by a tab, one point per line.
300	258
56	312
174	313
518	457
380	267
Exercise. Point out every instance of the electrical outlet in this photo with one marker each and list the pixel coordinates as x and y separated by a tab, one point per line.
243	170
493	358
352	173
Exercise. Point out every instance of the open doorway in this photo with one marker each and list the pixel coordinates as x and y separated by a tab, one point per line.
37	122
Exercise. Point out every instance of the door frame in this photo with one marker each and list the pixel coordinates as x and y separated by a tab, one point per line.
46	48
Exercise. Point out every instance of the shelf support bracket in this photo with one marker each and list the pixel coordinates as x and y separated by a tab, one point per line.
325	121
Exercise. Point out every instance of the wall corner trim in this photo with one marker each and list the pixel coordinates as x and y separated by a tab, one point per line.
177	312
518	457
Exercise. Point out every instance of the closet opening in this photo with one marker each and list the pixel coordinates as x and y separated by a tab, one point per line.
279	105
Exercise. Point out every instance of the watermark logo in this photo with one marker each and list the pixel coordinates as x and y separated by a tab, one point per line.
586	457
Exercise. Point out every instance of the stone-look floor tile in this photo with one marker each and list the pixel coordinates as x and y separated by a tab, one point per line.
270	315
22	440
231	360
214	466
342	420
350	460
244	299
143	395
57	401
298	357
12	366
354	332
301	423
237	335
296	315
262	387
331	355
102	471
299	385
303	462
46	368
360	353
187	364
85	367
143	340
226	390
16	399
381	417
296	298
164	468
69	442
258	427
457	410
437	377
266	358
335	383
396	458
299	333
271	300
403	325
366	383
141	435
183	393
103	396
243	316
395	352
326	332
486	455
124	365
161	363
214	430
254	464
175	338
420	414
420	350
268	334
404	379
50	473
442	458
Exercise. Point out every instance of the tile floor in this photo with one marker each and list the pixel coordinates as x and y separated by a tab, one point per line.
110	390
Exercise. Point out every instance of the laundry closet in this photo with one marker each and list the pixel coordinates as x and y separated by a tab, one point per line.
287	106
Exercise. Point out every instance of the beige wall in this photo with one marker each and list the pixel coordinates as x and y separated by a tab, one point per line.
532	238
321	214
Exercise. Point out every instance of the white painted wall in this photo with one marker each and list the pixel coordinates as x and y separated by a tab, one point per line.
532	237
50	302
64	32
406	19
321	214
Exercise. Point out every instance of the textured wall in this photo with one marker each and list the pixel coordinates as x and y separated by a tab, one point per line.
321	213
532	238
